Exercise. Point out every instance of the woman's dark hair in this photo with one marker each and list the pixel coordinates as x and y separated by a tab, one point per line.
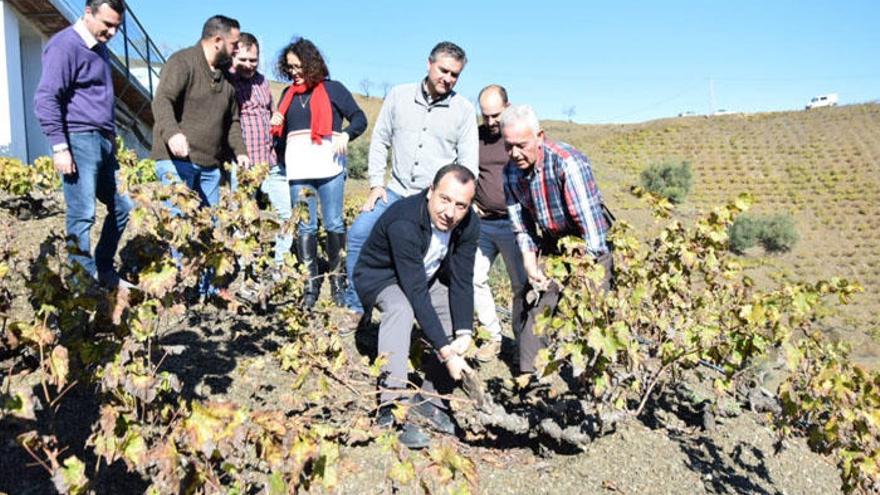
314	70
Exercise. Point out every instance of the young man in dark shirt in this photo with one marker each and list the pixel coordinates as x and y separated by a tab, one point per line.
496	234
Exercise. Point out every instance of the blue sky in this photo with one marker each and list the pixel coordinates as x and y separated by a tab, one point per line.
621	61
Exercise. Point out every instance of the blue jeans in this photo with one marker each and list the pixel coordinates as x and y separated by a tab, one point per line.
206	182
357	237
277	187
284	194
330	191
95	177
497	237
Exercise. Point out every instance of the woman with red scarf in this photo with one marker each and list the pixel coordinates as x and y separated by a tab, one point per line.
311	146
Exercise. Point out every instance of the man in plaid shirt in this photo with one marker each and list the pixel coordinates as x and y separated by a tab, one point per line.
549	187
254	101
255	104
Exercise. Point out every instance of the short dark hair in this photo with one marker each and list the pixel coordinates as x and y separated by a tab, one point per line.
496	88
247	39
218	24
462	173
117	5
314	69
447	48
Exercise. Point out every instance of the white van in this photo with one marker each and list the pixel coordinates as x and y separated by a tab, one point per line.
829	100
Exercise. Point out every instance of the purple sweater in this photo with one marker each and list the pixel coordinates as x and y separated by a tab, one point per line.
75	93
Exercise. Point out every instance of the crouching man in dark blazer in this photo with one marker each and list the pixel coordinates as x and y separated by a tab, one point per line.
418	266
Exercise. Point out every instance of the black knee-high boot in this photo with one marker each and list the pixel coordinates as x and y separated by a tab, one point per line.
307	252
335	270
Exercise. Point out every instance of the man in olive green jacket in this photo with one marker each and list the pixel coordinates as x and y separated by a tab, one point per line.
196	112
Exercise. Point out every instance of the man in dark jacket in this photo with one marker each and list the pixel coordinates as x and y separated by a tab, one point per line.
417	266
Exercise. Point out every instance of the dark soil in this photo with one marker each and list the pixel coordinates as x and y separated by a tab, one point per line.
231	357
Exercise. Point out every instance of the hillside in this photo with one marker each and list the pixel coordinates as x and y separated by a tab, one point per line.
821	166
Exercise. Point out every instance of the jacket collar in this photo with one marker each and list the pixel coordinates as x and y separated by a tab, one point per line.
421	96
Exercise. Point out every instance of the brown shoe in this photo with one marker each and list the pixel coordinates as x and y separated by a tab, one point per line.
488	351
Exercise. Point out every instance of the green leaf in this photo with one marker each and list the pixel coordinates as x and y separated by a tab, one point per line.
403	472
20	404
276	485
743	202
71	479
158	281
135	449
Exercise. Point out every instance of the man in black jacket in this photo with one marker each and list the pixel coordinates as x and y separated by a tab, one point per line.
417	266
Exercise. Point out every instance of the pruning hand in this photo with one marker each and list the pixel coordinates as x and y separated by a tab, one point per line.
457	366
461	344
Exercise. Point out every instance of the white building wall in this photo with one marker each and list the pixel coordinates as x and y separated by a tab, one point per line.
32	42
13	133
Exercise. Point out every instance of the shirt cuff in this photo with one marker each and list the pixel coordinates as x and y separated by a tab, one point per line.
57	139
526	243
461	332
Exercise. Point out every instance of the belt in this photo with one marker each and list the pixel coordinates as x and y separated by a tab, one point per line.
493	216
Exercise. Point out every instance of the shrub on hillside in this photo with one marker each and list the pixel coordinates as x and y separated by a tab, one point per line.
778	234
358	156
744	233
669	179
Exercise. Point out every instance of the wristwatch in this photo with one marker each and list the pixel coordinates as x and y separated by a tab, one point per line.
58	148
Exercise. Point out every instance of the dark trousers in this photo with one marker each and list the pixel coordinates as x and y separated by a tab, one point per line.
395	333
529	343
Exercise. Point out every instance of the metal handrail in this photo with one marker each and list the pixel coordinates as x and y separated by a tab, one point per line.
152	59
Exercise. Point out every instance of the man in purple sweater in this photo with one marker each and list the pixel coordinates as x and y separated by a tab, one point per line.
74	103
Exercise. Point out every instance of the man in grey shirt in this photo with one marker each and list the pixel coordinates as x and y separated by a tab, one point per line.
426	125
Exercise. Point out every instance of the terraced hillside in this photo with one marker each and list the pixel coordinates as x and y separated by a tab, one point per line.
821	166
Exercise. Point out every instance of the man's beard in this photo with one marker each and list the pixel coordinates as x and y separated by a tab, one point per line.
223	60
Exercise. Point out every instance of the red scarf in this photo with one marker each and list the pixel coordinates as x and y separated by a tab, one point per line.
322	116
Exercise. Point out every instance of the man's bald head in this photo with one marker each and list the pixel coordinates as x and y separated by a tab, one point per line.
493	101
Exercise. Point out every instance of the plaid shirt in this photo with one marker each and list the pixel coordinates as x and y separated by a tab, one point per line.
559	195
255	105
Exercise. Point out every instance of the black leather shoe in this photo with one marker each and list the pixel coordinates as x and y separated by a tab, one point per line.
385	417
413	437
437	418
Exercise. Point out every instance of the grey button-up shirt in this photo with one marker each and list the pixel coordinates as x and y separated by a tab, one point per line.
422	137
